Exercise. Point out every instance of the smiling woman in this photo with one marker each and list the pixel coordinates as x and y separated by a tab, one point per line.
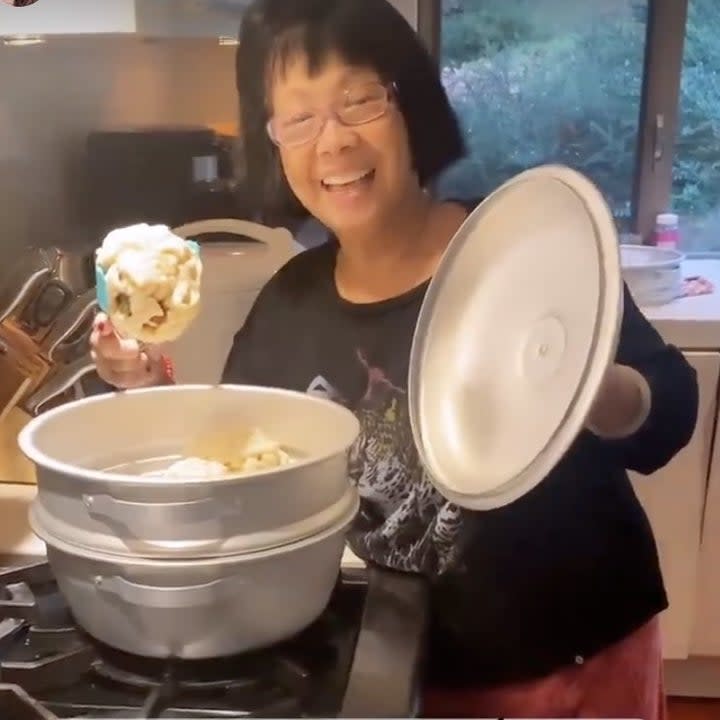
548	606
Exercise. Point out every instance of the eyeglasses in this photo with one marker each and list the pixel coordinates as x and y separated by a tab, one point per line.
359	104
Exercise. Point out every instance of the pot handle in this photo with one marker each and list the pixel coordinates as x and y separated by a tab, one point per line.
141	513
168	597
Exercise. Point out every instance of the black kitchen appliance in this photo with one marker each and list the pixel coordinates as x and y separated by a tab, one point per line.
158	174
361	658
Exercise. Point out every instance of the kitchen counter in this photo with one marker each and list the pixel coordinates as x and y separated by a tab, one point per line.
16	536
691	323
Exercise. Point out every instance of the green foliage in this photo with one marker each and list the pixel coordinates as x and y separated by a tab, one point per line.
537	81
696	180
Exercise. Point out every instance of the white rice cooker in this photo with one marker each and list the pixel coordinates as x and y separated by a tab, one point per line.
233	274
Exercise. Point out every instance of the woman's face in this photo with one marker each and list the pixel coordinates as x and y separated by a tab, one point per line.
351	177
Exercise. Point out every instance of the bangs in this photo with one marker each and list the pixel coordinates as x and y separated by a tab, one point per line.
317	40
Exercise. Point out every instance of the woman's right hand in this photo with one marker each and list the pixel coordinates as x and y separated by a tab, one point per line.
122	362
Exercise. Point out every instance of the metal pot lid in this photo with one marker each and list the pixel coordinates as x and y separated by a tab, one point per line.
517	329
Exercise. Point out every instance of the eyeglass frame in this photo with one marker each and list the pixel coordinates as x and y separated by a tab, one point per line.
390	95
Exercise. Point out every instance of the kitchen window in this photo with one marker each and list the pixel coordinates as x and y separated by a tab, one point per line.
550	81
625	91
696	162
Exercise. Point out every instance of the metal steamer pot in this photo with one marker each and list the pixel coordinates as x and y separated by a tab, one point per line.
203	608
192	568
133	515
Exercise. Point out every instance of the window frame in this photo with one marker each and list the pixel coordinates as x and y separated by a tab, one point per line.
429	25
659	112
659	103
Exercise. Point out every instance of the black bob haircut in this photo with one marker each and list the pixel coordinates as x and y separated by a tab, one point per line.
365	33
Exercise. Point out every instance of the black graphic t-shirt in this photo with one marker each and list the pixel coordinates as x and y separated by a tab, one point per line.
357	355
518	591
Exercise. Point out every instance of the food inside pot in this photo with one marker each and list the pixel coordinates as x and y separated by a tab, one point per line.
239	449
213	454
191	467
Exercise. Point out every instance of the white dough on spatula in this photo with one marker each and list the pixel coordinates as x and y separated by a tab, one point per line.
153	282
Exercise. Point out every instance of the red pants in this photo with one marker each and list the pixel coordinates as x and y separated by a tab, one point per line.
623	681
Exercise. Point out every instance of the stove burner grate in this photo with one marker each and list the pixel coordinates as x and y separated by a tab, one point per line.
325	671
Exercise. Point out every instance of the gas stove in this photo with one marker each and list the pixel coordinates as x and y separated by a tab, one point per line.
361	658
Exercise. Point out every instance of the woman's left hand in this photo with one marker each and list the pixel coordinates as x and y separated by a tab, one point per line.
622	404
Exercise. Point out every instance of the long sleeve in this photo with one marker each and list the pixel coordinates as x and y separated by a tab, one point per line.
672	381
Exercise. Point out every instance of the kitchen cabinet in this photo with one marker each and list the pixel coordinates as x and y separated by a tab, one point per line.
706	634
210	18
674	499
189	18
68	17
148	18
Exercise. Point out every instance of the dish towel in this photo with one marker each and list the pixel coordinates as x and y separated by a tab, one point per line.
697	285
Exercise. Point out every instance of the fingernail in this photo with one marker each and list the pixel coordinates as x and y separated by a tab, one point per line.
102	327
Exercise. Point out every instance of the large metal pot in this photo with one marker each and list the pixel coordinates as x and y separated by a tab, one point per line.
195	609
124	514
